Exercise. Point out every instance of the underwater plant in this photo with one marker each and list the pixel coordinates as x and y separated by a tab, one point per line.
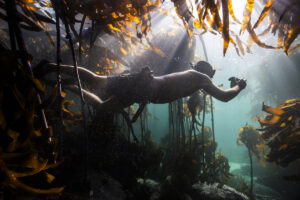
251	138
281	130
119	18
27	142
238	183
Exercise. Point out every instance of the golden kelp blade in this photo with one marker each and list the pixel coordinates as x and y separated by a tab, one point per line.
230	9
272	120
292	35
197	24
280	35
33	172
294	48
255	38
50	177
65	109
210	21
28	6
158	51
123	51
251	138
265	11
239	43
274	111
288	7
19	185
200	15
11	180
282	132
249	44
155	49
14	143
267	30
216	17
225	28
113	28
247	15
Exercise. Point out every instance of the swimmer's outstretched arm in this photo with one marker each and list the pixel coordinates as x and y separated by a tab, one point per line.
223	95
174	86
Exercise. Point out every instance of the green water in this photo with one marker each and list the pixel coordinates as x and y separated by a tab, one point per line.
272	78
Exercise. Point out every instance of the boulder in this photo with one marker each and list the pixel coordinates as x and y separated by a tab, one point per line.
216	191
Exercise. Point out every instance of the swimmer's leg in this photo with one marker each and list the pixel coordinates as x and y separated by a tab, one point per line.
110	104
91	79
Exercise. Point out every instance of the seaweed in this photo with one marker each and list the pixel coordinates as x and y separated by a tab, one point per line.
27	142
281	132
31	144
250	137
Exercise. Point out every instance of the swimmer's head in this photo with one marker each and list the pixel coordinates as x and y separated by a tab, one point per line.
205	68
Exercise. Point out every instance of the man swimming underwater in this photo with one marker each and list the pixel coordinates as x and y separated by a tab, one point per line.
121	91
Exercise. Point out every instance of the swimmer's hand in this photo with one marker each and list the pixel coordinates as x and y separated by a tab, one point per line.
242	83
236	81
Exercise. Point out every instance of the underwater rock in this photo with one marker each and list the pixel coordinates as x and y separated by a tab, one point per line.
216	192
105	187
148	182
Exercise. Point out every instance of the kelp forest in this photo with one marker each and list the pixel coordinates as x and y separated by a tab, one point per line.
78	120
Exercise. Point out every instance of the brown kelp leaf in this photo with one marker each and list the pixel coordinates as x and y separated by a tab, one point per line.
267	30
264	12
155	49
251	138
19	185
43	18
288	7
249	44
225	28
270	121
255	38
239	43
210	21
274	28
9	156
14	143
50	177
218	4
65	105
280	35
38	84
33	172
247	15
197	24
216	17
294	48
30	28
292	35
274	111
113	28
282	133
230	9
158	51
